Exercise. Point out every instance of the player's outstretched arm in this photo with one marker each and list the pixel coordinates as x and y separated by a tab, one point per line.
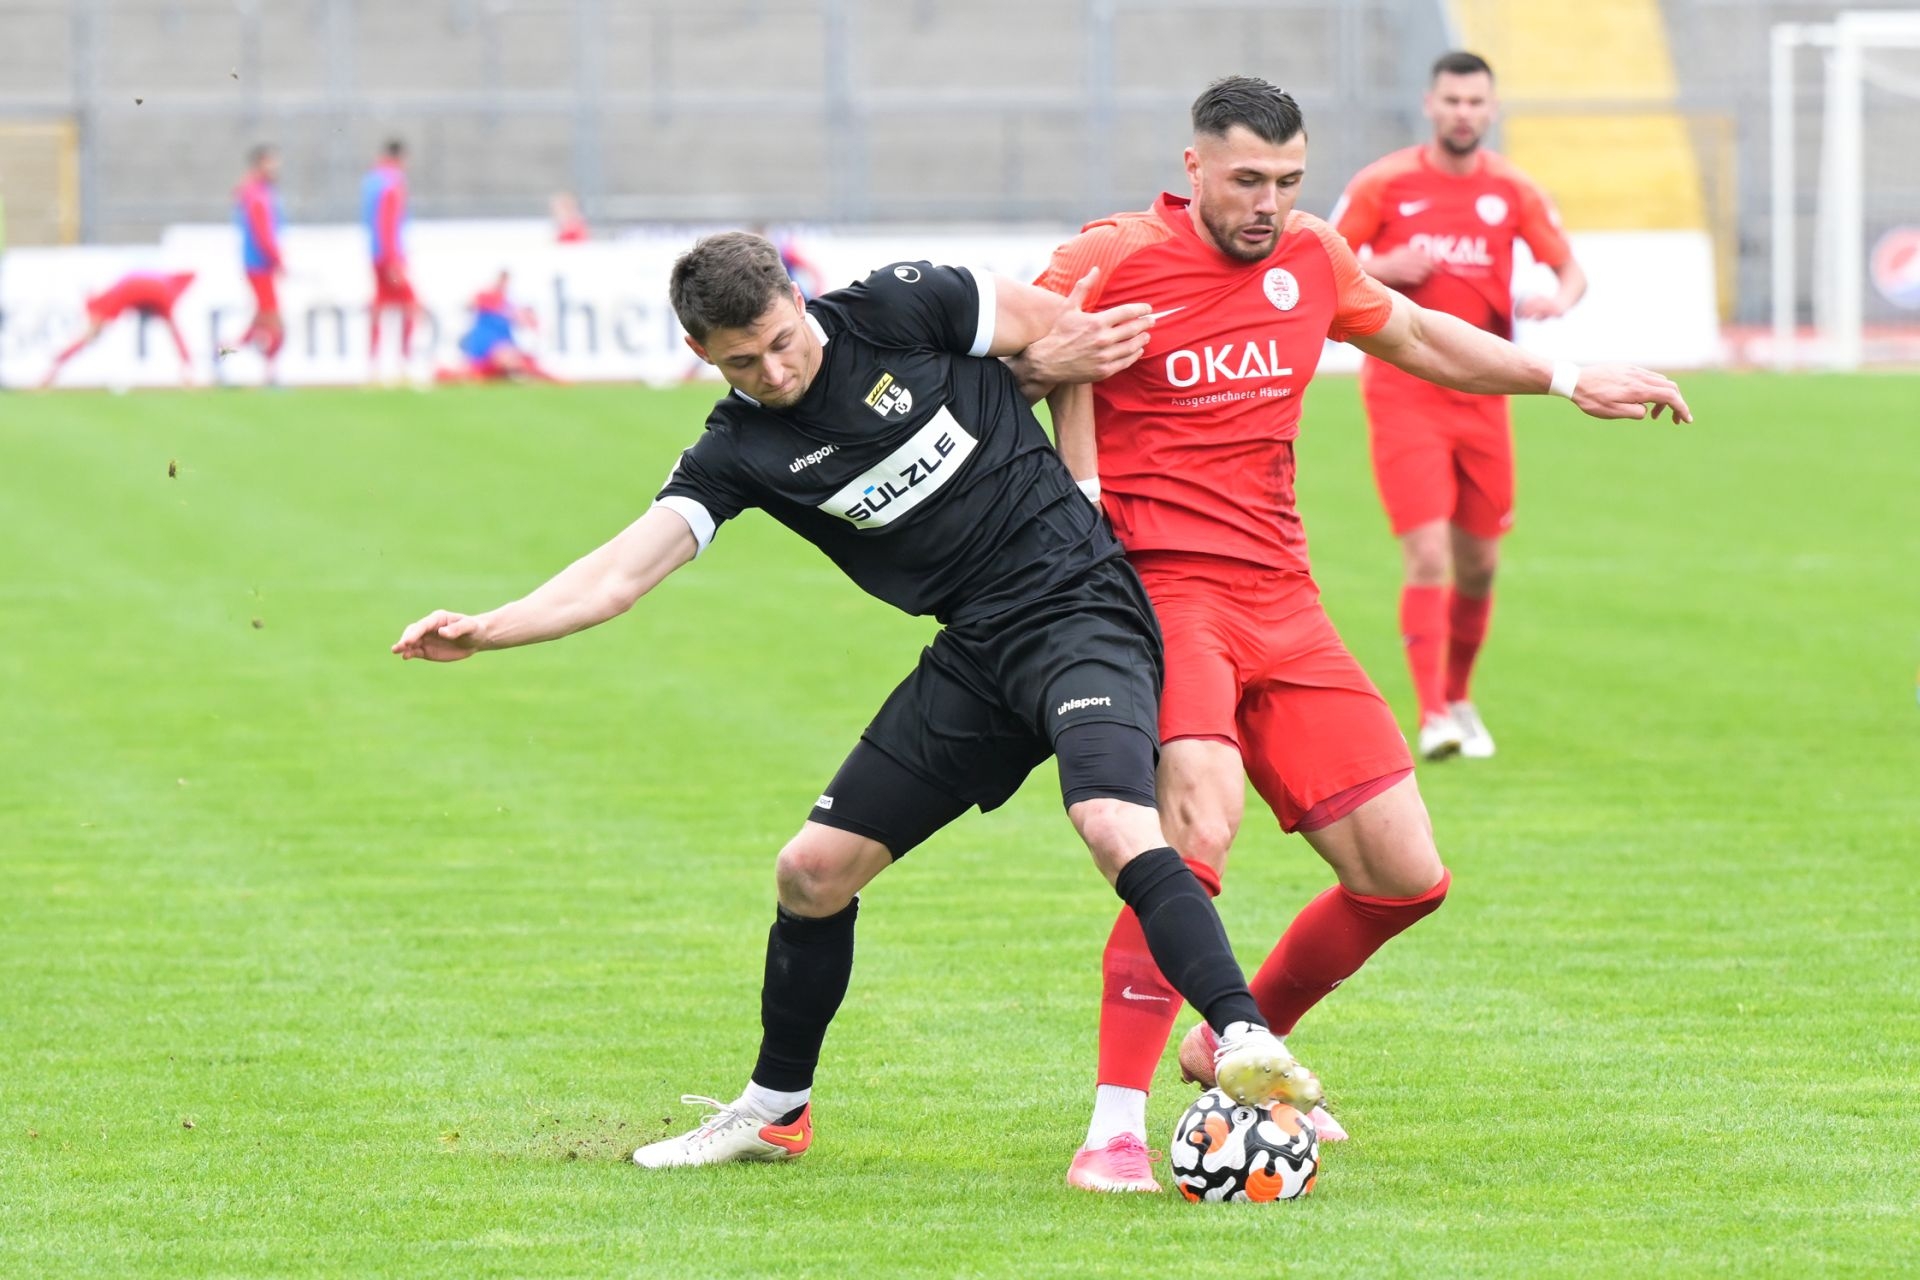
1446	350
600	585
1074	345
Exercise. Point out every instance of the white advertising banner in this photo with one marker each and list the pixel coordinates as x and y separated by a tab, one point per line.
601	308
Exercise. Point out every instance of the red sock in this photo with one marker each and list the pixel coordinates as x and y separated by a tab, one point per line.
1466	631
1327	943
1137	1006
373	335
1423	627
406	334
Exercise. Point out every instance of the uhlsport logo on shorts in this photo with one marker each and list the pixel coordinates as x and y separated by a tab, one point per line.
1081	704
888	397
906	477
1282	290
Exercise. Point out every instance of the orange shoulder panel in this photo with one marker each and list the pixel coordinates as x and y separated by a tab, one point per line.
1357	215
1539	224
1362	304
1104	244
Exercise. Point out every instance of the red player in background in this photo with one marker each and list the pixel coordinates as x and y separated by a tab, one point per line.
569	224
145	293
257	215
491	351
383	211
1441	219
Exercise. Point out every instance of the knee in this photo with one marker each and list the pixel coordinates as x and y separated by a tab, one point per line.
1204	838
1427	562
812	881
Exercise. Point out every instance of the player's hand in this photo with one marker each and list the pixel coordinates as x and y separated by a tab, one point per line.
1083	347
1627	391
1402	268
1539	306
441	637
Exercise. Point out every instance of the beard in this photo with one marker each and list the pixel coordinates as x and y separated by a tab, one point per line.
1458	148
1223	233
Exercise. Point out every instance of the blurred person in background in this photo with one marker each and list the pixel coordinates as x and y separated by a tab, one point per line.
569	224
258	216
1441	219
383	211
146	294
490	349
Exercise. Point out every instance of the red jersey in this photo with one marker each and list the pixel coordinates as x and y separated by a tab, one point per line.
1196	438
1465	223
143	290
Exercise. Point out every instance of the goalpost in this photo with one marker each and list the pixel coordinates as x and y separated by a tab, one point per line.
1839	260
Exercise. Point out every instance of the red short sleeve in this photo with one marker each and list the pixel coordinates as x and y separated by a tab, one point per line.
1363	305
1539	226
1104	244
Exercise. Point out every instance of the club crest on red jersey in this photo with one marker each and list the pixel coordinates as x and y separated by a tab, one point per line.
1491	208
1282	290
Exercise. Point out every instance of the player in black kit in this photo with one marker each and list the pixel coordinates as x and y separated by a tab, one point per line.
876	424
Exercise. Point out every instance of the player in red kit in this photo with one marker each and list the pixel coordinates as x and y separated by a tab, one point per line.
1441	220
1190	452
383	211
145	293
257	217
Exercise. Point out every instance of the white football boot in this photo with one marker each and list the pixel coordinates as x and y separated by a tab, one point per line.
1440	737
1475	742
1196	1066
730	1132
1253	1066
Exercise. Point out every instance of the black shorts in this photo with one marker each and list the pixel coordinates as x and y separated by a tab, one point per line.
988	701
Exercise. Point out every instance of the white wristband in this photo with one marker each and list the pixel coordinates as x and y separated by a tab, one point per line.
1091	488
1565	374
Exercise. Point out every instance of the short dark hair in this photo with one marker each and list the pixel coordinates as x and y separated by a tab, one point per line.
1266	109
726	281
1458	62
257	154
394	149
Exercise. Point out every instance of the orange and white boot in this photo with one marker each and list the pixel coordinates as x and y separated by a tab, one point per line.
731	1132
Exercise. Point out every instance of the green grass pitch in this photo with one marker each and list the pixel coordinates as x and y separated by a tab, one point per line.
318	963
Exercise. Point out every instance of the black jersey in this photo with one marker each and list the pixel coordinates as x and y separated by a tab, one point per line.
912	460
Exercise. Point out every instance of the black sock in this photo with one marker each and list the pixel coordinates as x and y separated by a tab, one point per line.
1186	937
808	965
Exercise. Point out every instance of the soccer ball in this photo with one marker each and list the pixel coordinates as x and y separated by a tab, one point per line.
1225	1151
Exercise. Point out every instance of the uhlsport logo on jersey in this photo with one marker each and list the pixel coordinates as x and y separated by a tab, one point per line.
1491	208
889	397
1896	267
906	477
1454	251
1282	290
806	460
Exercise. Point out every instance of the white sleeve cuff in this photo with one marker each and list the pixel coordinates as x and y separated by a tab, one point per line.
989	308
1091	488
698	518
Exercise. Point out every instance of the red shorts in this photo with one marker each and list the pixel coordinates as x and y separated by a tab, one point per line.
1253	660
266	301
1438	454
391	288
